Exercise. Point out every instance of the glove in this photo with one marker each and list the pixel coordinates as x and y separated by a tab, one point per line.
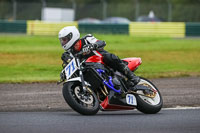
66	57
87	48
99	45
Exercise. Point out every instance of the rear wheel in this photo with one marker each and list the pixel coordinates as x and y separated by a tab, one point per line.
83	103
149	103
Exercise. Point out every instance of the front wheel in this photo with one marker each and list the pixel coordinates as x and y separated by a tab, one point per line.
149	104
83	103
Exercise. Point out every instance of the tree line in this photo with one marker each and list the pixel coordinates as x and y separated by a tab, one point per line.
111	1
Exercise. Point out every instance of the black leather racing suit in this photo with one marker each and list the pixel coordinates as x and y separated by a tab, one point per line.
109	59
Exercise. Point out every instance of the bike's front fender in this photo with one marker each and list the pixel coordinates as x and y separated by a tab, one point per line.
76	79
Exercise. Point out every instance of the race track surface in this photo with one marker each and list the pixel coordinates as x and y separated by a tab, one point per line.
48	96
166	121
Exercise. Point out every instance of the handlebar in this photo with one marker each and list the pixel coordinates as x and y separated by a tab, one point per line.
81	52
78	54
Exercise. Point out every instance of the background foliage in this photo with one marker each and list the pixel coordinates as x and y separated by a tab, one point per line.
167	10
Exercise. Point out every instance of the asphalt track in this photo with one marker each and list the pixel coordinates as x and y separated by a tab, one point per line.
166	121
48	96
21	106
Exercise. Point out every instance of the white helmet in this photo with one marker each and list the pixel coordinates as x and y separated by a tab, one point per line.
68	36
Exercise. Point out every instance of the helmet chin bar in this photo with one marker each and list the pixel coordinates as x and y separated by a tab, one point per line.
70	49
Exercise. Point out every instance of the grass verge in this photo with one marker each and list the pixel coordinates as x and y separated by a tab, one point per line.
37	58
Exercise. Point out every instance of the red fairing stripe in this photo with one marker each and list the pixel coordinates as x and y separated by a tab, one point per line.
133	63
98	58
95	58
106	106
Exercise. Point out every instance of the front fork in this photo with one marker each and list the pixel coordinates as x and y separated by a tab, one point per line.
85	88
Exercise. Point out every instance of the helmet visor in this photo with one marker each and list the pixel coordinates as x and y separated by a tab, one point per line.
66	39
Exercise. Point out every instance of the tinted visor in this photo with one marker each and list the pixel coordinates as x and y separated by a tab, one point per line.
66	39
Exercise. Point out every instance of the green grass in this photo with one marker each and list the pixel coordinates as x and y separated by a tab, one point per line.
37	58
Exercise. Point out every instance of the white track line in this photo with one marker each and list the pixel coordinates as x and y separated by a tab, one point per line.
180	108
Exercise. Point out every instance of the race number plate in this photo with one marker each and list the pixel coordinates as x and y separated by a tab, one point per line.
70	69
131	100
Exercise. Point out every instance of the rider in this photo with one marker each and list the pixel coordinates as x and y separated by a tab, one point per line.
70	41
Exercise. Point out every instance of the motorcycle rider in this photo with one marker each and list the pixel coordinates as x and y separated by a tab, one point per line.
71	42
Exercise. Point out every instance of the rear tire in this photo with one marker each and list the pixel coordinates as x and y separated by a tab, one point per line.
85	104
149	105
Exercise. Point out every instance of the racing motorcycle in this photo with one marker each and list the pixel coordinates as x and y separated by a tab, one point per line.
89	86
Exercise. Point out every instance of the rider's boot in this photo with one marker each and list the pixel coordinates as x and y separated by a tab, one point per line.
133	80
119	65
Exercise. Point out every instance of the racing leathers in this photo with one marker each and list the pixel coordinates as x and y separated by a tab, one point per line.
89	42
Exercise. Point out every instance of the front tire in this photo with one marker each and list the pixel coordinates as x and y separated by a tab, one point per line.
85	104
149	105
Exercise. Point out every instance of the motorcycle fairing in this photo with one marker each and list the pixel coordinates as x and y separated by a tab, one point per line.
112	102
96	59
133	62
105	105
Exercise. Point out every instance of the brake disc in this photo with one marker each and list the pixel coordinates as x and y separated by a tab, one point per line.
85	98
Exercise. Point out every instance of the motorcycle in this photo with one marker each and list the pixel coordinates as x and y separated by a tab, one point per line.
89	86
